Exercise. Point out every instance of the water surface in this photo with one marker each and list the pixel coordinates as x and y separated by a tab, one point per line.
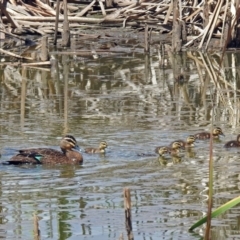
135	103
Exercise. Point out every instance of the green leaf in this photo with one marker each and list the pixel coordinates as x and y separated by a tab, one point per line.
217	212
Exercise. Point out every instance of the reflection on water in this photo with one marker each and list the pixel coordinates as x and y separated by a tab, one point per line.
135	104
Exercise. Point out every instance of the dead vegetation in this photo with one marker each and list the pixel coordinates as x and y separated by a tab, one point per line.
198	25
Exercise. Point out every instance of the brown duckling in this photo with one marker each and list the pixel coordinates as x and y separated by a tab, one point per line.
174	148
162	150
101	149
233	143
206	135
70	154
188	143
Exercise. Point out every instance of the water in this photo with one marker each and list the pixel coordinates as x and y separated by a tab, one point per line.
134	104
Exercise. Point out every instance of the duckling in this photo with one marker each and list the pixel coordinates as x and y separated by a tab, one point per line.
206	135
233	143
69	155
174	148
159	150
162	150
101	149
188	143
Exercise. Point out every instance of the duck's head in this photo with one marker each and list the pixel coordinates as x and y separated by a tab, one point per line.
69	143
190	140
102	145
162	151
218	131
176	145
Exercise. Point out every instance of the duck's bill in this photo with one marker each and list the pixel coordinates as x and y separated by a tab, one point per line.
78	148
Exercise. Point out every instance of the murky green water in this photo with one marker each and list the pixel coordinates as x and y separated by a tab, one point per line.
134	104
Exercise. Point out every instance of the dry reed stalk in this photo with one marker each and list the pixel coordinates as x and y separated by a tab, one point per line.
128	214
211	24
40	20
146	39
56	22
36	227
102	7
86	9
66	42
214	22
44	49
168	13
3	6
27	64
14	55
45	7
35	14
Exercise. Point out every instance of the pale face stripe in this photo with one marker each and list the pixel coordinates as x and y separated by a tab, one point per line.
71	140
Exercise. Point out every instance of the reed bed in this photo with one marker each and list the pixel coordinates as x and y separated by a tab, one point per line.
190	23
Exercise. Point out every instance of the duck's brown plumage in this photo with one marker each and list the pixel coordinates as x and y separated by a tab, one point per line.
174	148
206	135
101	149
233	143
50	156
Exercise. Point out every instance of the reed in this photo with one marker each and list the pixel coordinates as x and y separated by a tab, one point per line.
36	230
128	214
210	191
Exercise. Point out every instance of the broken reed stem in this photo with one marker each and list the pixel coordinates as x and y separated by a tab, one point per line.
36	227
66	31
177	29
210	194
14	55
56	22
44	49
128	215
146	39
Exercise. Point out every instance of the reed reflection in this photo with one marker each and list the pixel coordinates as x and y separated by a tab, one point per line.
194	84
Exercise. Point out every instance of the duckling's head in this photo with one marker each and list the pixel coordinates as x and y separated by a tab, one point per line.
218	131
162	151
190	140
176	145
68	143
102	145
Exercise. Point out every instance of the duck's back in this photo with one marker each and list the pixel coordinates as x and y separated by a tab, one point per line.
38	156
43	151
202	135
232	143
45	156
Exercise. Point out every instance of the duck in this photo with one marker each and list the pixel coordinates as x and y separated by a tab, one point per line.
206	135
162	150
69	154
233	143
101	148
188	143
174	148
159	150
